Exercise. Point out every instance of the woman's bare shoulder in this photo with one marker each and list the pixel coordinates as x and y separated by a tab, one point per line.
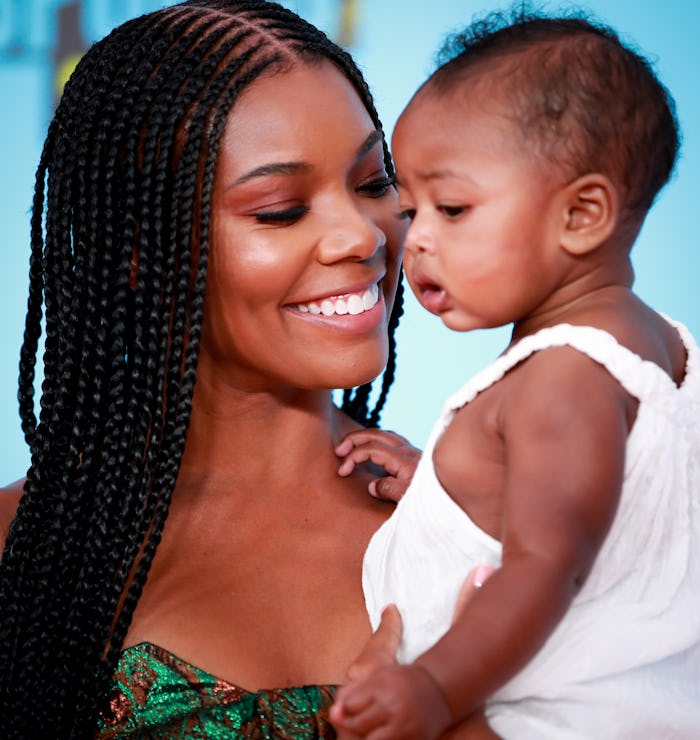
9	500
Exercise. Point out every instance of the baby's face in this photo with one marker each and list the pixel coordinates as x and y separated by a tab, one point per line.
485	213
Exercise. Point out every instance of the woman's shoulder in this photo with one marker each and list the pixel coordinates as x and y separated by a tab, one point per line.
9	500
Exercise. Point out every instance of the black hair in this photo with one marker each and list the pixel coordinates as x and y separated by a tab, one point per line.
580	96
119	246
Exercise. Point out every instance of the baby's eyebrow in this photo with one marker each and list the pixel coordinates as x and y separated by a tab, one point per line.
273	168
441	173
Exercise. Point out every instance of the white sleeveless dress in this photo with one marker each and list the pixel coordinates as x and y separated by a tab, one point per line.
625	660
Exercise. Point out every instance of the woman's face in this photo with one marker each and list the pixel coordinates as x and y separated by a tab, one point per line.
305	239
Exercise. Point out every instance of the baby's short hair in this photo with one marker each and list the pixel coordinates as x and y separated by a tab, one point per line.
581	97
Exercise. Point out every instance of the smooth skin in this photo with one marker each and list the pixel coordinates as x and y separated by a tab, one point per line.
499	236
257	577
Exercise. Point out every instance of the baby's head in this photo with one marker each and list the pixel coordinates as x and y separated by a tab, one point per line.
580	97
527	161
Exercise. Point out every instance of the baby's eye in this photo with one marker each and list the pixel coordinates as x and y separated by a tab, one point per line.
284	217
408	214
377	188
452	211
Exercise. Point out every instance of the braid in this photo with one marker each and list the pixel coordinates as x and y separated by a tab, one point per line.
119	250
388	377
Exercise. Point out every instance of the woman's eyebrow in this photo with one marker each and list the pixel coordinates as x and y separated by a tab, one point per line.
295	168
368	144
273	168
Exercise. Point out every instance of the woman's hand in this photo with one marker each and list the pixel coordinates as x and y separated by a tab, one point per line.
381	648
388	450
401	701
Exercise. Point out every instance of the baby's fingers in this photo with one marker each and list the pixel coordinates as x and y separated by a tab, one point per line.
389	488
364	436
355	712
384	457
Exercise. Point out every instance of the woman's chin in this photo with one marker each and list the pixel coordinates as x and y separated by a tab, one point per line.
352	374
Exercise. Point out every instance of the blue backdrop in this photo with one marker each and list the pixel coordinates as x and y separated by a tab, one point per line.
394	42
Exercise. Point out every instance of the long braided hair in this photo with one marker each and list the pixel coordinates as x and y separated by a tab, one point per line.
119	244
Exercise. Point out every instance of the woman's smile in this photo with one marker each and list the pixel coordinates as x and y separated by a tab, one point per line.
352	303
359	312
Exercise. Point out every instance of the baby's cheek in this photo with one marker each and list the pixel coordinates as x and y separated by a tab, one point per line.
408	262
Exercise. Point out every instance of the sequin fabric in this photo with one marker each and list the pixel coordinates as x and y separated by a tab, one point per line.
158	695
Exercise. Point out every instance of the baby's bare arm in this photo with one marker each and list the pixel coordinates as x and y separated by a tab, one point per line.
564	423
563	420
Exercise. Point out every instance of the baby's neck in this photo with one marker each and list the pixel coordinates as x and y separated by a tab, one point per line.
583	309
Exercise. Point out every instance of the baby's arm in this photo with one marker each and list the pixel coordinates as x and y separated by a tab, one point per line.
386	449
564	425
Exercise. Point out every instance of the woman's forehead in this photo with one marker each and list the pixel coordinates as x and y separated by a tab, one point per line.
308	107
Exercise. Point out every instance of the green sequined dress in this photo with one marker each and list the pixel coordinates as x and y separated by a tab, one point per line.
155	694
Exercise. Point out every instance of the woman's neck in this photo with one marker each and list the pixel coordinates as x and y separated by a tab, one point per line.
261	435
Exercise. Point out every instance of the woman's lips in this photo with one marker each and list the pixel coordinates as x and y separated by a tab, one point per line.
358	312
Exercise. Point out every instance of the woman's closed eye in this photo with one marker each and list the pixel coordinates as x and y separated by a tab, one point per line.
283	216
378	187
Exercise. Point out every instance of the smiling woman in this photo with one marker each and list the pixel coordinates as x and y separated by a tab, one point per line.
300	221
183	558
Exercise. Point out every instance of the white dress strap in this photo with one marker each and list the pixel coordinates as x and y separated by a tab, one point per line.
641	378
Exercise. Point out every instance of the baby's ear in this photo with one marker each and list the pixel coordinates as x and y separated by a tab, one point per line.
592	213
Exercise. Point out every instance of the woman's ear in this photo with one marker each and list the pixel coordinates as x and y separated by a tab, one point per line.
592	213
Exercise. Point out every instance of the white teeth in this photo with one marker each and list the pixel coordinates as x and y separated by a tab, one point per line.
355	305
369	297
352	304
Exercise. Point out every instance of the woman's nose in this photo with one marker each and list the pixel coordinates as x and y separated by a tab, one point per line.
351	234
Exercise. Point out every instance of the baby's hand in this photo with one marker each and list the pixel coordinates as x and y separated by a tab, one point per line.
396	701
388	450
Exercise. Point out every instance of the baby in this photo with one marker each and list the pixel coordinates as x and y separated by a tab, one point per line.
526	165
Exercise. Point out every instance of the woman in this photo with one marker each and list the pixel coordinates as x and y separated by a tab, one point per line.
181	546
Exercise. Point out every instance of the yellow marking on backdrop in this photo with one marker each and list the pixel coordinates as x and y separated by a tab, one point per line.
349	16
63	72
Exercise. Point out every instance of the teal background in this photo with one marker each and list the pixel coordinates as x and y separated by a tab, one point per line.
394	42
